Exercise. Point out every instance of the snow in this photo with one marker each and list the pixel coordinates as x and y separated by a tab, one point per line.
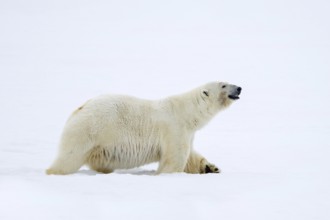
272	145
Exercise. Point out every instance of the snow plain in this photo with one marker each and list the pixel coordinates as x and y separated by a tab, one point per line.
272	145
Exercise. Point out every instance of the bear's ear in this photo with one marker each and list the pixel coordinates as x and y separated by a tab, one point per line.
205	92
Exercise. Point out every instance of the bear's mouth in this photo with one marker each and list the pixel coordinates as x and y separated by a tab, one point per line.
233	97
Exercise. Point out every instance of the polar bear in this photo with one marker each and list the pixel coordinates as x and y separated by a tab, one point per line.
121	132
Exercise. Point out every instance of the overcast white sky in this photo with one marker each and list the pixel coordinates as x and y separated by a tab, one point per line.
272	144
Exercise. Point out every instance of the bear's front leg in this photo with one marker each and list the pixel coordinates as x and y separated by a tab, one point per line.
174	159
207	167
198	164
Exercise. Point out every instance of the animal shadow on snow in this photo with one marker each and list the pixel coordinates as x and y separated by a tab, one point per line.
135	171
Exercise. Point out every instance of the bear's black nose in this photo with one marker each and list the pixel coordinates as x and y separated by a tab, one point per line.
239	89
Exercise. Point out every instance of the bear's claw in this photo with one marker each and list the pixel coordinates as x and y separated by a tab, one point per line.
211	168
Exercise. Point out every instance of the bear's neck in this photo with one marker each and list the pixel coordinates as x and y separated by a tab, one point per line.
191	110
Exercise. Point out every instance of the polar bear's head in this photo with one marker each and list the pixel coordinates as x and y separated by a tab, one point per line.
220	94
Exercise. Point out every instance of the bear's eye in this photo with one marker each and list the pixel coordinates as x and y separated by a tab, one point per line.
223	87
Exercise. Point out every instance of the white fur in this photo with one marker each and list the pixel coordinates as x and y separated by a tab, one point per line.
121	132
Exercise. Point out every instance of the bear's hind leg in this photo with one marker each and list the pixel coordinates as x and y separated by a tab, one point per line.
67	162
